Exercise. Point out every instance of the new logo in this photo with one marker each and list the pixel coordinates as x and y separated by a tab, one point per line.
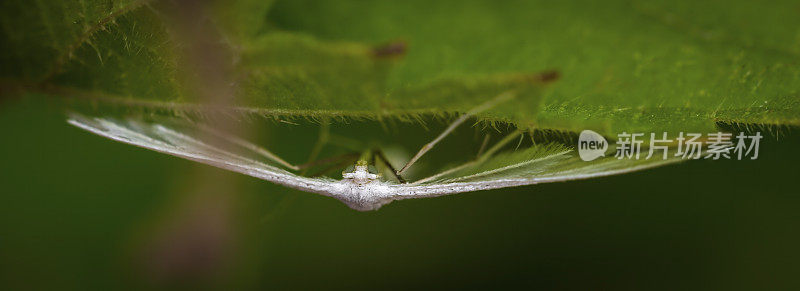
591	145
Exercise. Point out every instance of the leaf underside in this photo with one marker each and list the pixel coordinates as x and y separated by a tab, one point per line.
635	66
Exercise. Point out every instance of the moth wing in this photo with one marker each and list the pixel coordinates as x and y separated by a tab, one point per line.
551	165
163	139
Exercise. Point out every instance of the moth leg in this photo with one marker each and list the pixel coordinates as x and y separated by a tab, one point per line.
347	159
379	154
483	145
346	142
485	106
480	159
322	140
326	161
252	147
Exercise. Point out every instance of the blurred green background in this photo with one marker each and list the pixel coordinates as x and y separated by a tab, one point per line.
81	212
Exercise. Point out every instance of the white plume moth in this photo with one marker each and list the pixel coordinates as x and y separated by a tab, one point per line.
362	188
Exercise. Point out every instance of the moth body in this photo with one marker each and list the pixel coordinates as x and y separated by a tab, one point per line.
362	190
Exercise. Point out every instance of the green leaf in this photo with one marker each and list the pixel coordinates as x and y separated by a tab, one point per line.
626	65
635	66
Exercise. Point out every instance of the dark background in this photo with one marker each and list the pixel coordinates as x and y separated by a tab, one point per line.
81	212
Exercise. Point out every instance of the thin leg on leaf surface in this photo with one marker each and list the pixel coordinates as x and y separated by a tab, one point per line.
485	106
480	159
322	140
378	153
